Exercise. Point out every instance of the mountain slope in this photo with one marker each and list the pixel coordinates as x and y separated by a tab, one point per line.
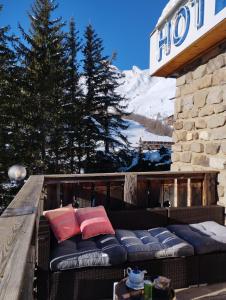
148	96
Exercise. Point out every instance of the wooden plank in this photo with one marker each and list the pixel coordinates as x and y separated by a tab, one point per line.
16	236
182	193
189	192
209	190
142	193
130	189
175	204
197	192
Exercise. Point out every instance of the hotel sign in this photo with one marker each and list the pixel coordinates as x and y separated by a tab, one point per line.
189	29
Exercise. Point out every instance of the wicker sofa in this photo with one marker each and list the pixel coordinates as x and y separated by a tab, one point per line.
96	282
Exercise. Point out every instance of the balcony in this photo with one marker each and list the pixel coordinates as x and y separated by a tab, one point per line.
19	224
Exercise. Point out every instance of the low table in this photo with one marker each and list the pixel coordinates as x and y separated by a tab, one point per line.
122	292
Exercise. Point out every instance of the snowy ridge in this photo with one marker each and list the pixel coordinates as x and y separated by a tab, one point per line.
148	96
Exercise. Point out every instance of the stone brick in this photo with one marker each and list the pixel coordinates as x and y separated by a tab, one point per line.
186	147
177	148
215	95
215	64
174	137
194	112
219	76
200	124
181	80
195	135
178	125
219	133
219	108
223	147
188	102
184	115
201	160
222	177
178	105
200	98
204	135
189	125
197	147
185	157
189	77
199	72
206	111
212	148
178	93
220	190
216	121
189	136
175	157
224	93
217	163
204	82
181	135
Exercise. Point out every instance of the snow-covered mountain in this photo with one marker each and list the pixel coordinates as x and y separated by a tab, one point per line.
148	96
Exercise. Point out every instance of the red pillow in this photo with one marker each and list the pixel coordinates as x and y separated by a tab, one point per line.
63	222
93	221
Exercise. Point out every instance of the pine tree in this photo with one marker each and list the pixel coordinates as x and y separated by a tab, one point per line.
43	59
105	123
92	68
112	108
9	100
73	106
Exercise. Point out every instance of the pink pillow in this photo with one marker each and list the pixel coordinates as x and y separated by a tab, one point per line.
63	222
93	221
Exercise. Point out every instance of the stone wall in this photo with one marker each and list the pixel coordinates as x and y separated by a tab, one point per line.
200	121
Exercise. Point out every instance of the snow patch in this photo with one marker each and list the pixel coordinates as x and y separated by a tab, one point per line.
135	132
169	6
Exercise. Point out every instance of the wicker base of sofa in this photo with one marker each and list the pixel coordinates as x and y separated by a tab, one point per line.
97	283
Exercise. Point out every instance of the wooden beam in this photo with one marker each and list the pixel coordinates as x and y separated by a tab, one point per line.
189	199
175	204
130	189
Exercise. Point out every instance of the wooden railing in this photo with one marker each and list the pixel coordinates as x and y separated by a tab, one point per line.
19	223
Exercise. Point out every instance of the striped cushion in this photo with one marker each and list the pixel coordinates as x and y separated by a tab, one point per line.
93	221
63	223
153	243
77	253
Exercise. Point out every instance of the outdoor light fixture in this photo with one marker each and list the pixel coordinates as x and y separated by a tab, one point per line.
17	173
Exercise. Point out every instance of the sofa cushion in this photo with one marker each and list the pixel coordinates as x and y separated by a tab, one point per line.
93	221
63	223
153	243
79	253
206	237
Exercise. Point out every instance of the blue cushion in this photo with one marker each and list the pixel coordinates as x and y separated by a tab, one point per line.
153	243
75	253
205	237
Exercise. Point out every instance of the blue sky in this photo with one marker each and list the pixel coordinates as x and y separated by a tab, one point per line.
124	25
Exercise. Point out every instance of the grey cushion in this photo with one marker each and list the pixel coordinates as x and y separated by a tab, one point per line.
74	253
153	243
206	237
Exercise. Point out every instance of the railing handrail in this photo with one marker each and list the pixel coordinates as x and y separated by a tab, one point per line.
16	234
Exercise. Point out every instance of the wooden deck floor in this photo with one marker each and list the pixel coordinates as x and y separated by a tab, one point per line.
209	292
